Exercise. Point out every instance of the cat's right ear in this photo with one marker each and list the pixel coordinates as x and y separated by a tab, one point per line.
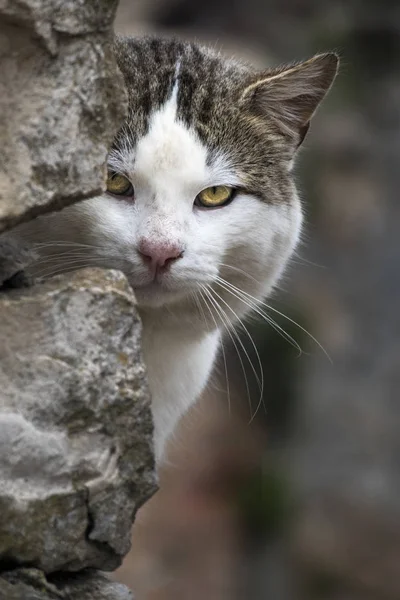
289	96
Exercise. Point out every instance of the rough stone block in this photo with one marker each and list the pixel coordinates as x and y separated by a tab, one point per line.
75	423
30	584
61	102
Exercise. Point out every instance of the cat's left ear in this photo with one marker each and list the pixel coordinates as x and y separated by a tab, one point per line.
291	95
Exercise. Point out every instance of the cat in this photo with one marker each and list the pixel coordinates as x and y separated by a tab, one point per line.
201	212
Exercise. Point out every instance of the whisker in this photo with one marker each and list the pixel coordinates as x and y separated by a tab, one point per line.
260	380
245	329
62	257
302	260
228	391
238	294
240	271
320	346
70	266
200	308
58	243
252	298
227	327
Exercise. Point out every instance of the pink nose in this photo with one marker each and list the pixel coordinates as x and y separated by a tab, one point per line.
159	255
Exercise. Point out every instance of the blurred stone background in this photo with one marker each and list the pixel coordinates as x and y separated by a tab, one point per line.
304	503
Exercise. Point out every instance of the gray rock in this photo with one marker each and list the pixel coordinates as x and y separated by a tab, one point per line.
14	257
75	424
31	584
61	102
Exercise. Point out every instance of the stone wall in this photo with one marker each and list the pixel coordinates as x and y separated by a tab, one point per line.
60	103
75	425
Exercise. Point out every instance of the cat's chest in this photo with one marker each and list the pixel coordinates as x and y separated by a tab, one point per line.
178	363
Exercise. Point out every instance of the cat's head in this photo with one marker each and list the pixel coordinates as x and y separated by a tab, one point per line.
200	183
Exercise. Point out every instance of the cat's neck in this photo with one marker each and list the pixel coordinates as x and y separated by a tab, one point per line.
179	354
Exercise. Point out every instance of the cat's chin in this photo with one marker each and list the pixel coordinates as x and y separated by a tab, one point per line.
156	295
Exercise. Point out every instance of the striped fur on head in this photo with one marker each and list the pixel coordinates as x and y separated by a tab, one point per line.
258	119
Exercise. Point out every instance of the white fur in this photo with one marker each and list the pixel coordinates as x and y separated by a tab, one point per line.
168	169
179	361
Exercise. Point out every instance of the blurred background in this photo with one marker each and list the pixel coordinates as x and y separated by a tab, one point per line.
304	501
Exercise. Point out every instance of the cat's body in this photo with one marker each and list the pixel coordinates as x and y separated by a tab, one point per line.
200	129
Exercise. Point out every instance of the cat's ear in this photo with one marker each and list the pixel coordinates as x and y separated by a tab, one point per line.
290	95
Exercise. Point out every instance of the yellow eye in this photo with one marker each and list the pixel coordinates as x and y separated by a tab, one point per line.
119	185
215	196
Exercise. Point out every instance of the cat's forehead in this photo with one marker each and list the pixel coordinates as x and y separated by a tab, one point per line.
174	91
171	154
185	109
207	82
170	150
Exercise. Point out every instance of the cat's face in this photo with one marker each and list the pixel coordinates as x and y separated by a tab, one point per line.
200	184
188	216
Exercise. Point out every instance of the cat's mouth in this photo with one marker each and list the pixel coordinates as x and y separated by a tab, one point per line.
162	289
157	281
156	293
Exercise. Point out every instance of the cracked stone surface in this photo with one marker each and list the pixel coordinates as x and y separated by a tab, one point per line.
75	424
31	584
61	103
76	457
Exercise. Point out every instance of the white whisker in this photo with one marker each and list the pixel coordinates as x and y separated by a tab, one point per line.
50	258
259	302
228	325
260	380
200	308
240	271
239	295
228	329
320	346
64	268
58	243
222	348
302	260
